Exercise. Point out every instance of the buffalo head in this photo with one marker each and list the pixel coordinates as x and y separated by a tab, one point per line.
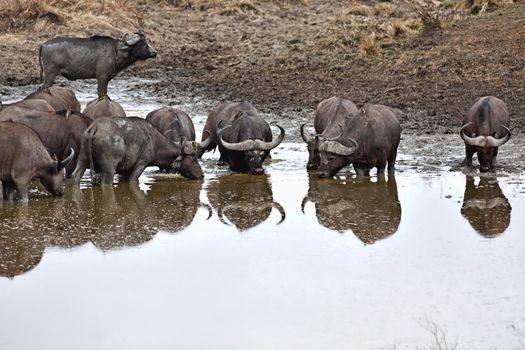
137	47
334	155
52	178
486	147
254	151
187	163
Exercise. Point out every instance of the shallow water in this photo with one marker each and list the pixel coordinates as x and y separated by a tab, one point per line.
280	261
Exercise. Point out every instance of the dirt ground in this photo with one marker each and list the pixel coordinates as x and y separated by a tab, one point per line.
285	61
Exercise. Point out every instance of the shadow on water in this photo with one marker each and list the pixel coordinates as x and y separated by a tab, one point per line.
109	218
371	210
485	206
243	200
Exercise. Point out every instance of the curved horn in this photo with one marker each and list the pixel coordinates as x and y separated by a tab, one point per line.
494	142
338	136
133	41
123	36
140	33
479	141
338	148
205	143
266	146
281	211
305	137
246	145
63	163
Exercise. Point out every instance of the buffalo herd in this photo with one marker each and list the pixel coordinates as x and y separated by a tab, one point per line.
46	136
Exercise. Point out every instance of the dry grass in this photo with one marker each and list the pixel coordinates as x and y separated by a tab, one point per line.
108	15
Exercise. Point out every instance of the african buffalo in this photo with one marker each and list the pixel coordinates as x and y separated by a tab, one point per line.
242	200
23	158
33	105
485	206
99	57
178	127
126	146
59	131
329	115
368	139
372	210
59	98
485	128
244	138
104	107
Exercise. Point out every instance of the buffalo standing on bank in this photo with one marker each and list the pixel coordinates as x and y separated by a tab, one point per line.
485	129
368	139
244	138
99	57
329	115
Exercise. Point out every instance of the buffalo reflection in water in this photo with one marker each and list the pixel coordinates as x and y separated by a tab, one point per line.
485	206
370	209
245	200
108	217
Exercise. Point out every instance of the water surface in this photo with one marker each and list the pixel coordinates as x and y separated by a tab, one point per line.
280	261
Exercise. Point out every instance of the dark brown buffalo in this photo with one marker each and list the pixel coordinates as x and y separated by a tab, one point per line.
24	157
104	107
33	105
126	146
329	116
178	127
59	98
485	206
244	137
59	131
372	210
369	139
485	128
99	57
242	200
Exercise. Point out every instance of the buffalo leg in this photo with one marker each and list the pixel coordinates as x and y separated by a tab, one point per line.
23	191
493	162
49	77
80	169
392	163
468	159
8	190
381	168
102	89
136	172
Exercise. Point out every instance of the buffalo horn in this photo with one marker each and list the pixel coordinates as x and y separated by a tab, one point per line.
479	141
266	146
305	137
204	144
338	148
484	141
133	41
63	163
246	145
494	142
338	136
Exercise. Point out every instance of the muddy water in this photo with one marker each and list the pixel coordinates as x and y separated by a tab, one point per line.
280	261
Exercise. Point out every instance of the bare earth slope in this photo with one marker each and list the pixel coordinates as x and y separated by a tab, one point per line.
279	59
